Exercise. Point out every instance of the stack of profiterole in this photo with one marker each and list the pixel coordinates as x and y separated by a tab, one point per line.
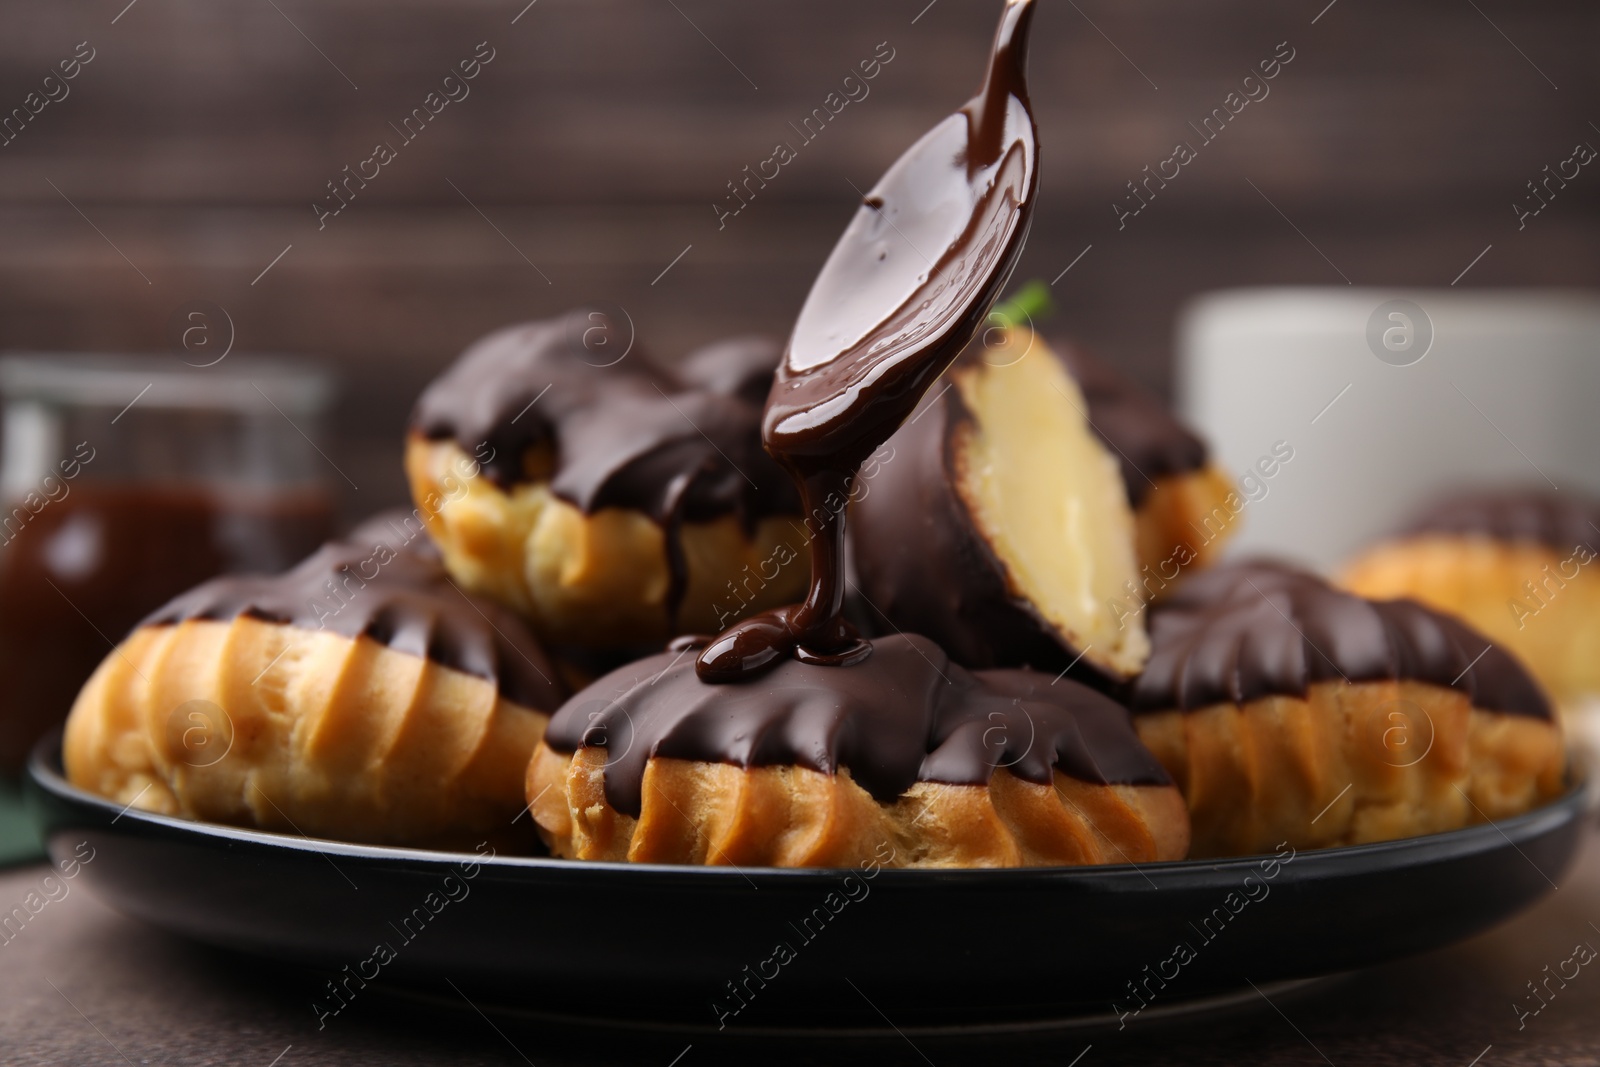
791	738
1024	540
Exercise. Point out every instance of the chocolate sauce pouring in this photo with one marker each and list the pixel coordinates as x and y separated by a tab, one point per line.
901	295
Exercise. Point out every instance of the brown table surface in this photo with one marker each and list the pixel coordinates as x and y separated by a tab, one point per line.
83	985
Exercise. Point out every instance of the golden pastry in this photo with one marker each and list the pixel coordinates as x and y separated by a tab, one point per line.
608	501
1290	711
905	759
358	697
1516	564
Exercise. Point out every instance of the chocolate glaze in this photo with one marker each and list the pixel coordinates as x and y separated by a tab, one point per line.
380	584
882	322
1248	630
739	366
399	529
624	432
1561	521
1148	442
912	524
879	326
910	715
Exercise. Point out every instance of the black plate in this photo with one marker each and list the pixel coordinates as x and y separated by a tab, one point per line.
666	944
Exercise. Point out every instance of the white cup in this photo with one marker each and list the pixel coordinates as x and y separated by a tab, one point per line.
1387	399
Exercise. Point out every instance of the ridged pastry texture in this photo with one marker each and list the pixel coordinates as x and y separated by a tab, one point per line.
718	814
815	765
1539	601
1288	710
611	500
1348	764
604	578
265	725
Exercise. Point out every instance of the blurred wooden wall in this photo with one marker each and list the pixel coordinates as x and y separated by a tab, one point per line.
596	141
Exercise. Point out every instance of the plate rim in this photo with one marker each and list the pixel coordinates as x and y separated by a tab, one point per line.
43	773
1180	1009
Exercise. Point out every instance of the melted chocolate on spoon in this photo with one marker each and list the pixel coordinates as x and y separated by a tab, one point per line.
882	322
901	295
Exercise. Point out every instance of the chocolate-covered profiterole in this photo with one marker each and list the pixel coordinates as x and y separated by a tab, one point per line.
912	716
621	432
1053	498
1288	710
1517	564
1149	443
373	585
1000	486
1542	516
1261	628
882	322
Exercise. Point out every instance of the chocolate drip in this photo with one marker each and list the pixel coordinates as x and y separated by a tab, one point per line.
386	582
1561	521
622	432
1244	631
881	323
1148	441
910	716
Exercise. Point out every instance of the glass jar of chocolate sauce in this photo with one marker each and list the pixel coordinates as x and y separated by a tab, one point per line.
124	480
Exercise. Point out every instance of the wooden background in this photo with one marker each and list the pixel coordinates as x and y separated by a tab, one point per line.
603	131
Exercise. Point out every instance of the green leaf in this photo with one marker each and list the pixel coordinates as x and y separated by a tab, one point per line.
1027	305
